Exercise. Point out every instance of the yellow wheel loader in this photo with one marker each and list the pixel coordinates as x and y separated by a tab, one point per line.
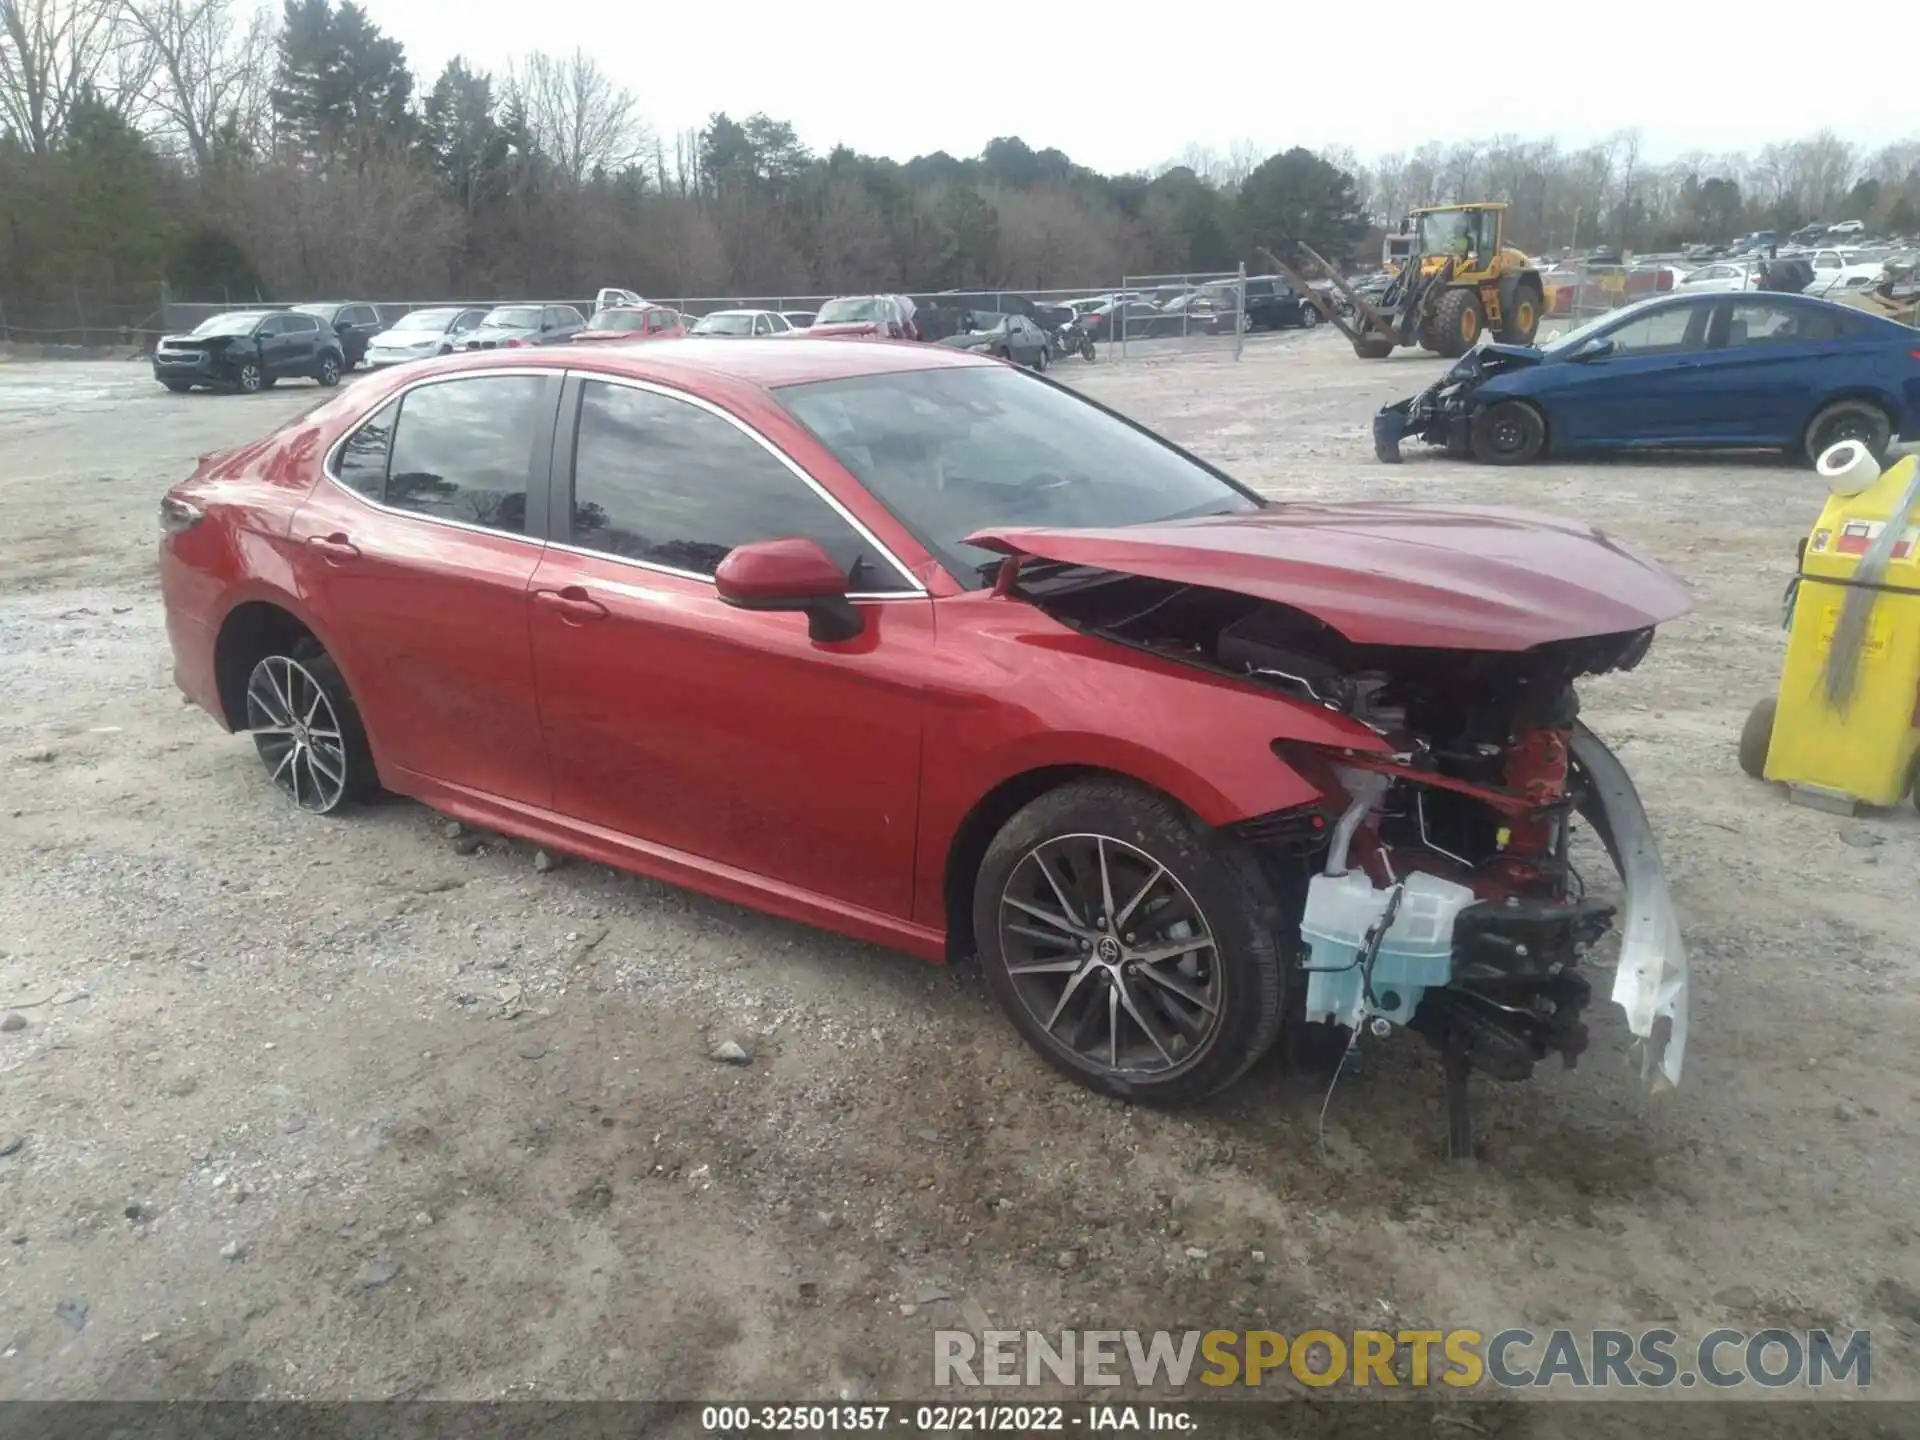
1458	279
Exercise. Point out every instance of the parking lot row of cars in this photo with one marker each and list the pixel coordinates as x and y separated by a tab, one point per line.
252	350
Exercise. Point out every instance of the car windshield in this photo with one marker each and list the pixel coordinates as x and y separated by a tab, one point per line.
514	317
623	320
864	307
727	322
233	323
435	320
953	451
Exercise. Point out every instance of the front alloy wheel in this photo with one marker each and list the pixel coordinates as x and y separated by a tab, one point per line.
249	378
1130	945
329	372
297	728
1110	955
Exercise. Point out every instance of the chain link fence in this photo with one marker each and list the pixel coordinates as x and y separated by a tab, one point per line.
1158	315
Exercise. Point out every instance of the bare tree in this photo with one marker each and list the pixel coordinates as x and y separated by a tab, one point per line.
51	53
579	117
208	70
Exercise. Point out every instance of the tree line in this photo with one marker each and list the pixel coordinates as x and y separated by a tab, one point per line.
293	153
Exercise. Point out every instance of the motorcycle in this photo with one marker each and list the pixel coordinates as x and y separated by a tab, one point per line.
1073	338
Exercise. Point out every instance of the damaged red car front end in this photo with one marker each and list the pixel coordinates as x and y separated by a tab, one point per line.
1434	883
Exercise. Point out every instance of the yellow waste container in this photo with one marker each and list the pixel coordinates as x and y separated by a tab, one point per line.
1845	728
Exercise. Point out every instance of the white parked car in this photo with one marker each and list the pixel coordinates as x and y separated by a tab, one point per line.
741	324
422	334
1847	227
1720	276
1835	272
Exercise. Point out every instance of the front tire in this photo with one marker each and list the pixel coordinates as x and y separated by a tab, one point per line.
249	380
1457	322
1130	945
1508	432
1523	318
1040	360
1860	420
329	375
1756	738
1309	317
307	729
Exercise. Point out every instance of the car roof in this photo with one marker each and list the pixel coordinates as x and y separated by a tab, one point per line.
764	364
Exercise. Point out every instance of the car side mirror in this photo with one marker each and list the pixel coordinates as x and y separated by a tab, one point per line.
1597	348
792	573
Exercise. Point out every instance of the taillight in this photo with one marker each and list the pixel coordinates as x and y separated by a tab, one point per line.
177	514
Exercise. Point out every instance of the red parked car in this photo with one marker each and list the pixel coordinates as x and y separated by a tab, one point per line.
884	317
916	646
632	322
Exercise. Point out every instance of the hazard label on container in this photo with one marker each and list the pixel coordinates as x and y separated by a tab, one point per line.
1874	647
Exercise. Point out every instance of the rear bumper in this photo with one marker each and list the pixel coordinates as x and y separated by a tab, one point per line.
191	638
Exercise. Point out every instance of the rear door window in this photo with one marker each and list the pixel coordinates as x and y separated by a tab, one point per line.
362	462
461	450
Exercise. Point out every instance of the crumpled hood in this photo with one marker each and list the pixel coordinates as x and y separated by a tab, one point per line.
1432	576
846	327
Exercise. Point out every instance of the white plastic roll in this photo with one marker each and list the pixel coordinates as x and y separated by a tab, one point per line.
1848	467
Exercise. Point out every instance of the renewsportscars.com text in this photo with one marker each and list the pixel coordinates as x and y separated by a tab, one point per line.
1511	1359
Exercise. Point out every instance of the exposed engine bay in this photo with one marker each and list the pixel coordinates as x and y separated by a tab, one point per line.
1442	414
1435	881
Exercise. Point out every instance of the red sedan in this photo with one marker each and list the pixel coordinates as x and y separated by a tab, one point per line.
632	322
915	646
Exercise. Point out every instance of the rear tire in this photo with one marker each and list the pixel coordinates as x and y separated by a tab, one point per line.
1860	420
1756	738
1114	1001
307	729
1508	432
1457	322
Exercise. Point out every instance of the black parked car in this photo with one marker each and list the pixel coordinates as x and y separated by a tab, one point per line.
248	350
354	321
1011	337
509	326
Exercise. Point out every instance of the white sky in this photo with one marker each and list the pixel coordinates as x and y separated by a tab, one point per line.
1118	90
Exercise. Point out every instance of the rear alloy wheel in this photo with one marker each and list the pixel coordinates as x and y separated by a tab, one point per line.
329	372
307	730
1508	432
1860	420
1132	948
249	378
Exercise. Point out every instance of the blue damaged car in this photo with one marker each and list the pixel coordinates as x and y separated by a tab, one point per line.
1753	370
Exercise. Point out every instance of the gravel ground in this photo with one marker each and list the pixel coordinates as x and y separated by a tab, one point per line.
358	1109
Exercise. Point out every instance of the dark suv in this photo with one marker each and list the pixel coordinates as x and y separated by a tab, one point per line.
1271	303
354	321
247	350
